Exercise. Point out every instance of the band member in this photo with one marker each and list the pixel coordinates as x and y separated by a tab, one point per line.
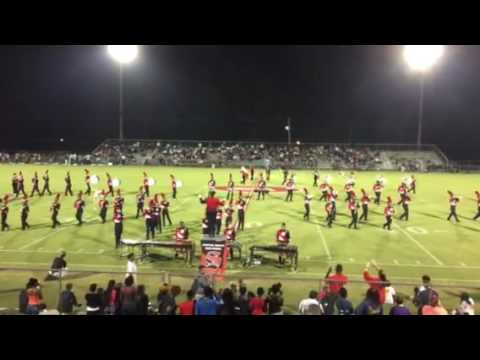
230	187
205	226
454	200
218	221
140	201
87	182
20	182
405	205
15	184
149	222
241	205
146	185
79	206
68	185
388	212
24	214
478	205
252	172
329	209
308	200
118	227
324	191
285	175
174	187
212	205
118	201
229	214
377	189
230	236
349	190
211	183
353	207
244	174
365	201
55	209
46	184
402	190
181	233
4	213
290	186
332	198
109	185
268	170
316	176
283	239
103	205
164	205
261	188
35	182
155	206
413	185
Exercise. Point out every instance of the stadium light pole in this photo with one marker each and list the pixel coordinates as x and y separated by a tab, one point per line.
420	59
123	55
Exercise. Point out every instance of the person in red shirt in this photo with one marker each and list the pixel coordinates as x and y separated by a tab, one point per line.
283	239
364	200
213	203
181	236
187	307
478	205
377	283
336	281
257	304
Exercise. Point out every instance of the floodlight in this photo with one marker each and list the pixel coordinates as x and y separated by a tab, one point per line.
422	57
123	54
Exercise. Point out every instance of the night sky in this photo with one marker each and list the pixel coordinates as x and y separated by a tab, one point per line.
332	94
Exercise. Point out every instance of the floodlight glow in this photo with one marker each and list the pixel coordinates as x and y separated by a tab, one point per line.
422	57
287	128
123	54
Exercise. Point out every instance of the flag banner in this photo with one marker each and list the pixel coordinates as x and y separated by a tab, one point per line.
214	256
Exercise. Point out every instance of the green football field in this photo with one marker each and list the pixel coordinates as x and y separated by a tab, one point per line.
426	244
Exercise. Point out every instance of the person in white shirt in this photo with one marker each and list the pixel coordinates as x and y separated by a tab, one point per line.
466	306
310	306
389	294
131	267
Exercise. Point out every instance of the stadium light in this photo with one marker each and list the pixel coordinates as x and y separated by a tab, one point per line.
421	58
288	129
122	54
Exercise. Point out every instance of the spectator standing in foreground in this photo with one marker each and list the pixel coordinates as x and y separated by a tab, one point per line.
243	301
206	305
376	282
112	298
423	294
142	301
67	301
228	306
128	296
310	305
187	307
335	282
435	307
466	306
258	304
93	300
399	308
166	302
275	300
371	305
344	306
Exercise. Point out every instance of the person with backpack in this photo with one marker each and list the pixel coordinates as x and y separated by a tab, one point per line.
67	301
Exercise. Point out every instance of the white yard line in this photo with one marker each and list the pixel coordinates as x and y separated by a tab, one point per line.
324	242
423	248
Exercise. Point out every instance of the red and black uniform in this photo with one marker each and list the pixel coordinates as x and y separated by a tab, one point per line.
4	211
402	190
478	205
229	216
156	210
261	189
109	185
164	205
230	189
174	188
218	221
55	209
79	206
388	212
46	184
87	182
35	187
15	185
377	189
332	198
21	186
68	185
308	201
405	205
140	203
24	214
329	208
283	239
324	191
365	200
353	207
103	205
230	235
241	205
453	207
118	203
146	186
181	234
118	227
149	222
290	187
349	190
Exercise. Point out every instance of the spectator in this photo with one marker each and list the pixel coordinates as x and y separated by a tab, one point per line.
228	306
371	305
257	304
275	300
310	305
466	306
201	281
166	302
389	293
93	300
335	282
101	295
112	298
399	308
187	307
344	306
67	300
128	296
206	305
243	301
58	268
435	307
376	282
23	298
423	294
142	300
34	297
131	268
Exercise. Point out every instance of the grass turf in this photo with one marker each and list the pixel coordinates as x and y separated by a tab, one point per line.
428	243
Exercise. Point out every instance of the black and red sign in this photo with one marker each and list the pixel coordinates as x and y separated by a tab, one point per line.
214	257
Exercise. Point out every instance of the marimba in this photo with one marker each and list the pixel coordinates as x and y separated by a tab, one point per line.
187	246
291	252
